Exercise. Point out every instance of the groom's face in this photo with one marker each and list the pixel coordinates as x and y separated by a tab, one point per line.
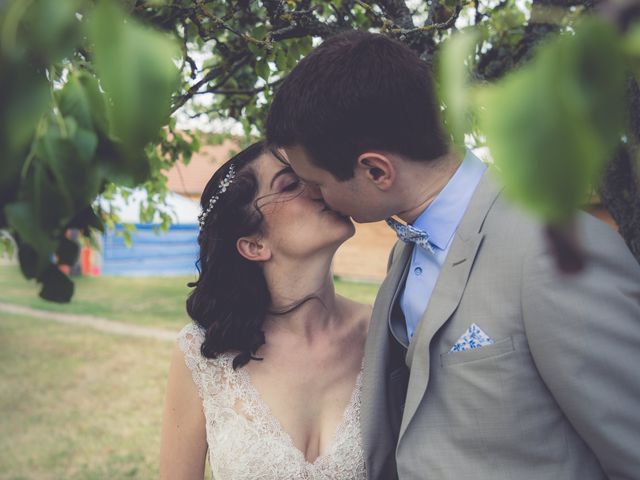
345	197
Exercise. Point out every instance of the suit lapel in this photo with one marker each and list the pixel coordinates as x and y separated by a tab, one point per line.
447	293
378	440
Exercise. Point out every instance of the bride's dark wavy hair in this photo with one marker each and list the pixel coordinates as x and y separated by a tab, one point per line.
230	298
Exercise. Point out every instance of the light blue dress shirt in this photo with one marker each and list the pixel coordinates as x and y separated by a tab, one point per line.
440	220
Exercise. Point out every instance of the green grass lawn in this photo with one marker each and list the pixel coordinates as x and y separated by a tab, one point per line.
77	404
152	301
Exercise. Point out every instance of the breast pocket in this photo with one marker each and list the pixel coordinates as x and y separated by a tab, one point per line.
501	347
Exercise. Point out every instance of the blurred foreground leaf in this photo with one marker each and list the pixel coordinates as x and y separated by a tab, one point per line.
553	124
69	127
137	71
455	62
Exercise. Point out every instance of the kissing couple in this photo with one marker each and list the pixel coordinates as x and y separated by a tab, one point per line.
478	359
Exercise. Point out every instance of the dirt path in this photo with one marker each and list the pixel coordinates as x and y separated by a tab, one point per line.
97	323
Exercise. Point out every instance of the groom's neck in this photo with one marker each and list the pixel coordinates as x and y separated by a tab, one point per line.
421	182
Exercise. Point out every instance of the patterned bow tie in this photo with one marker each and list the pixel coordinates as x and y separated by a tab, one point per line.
411	234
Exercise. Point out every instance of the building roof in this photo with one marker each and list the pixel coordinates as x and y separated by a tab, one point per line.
190	180
182	210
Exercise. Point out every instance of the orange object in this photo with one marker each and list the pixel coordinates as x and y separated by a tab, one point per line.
85	261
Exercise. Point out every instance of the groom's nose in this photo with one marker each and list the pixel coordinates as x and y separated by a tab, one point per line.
314	192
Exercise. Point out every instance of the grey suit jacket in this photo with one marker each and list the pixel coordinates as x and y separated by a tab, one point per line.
557	396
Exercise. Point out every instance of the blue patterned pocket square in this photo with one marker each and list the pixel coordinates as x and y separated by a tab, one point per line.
474	337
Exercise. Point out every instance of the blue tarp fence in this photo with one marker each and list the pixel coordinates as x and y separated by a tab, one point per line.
173	252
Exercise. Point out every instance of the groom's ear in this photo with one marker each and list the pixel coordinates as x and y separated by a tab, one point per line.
377	168
253	248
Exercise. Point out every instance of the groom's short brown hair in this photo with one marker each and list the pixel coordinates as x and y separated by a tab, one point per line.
358	91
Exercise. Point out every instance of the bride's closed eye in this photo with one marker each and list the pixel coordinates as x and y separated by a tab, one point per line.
291	186
286	181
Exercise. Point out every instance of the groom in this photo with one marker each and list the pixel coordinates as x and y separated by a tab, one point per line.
482	361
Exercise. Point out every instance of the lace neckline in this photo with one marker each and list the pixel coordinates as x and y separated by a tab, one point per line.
263	411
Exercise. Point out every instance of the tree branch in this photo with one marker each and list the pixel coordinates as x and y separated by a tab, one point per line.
303	23
276	10
249	91
399	12
447	24
210	75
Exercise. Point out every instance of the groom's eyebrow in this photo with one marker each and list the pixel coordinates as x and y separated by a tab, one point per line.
281	158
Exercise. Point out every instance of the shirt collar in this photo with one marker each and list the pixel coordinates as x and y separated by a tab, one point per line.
442	217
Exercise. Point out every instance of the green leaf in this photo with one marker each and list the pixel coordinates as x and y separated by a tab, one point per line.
259	32
552	125
281	60
97	102
73	101
32	262
53	205
125	171
56	286
306	45
262	69
7	247
82	100
86	219
456	59
85	143
24	96
21	217
50	29
255	49
68	251
195	143
632	41
136	69
126	237
77	176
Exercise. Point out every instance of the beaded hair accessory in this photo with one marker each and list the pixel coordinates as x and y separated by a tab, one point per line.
222	187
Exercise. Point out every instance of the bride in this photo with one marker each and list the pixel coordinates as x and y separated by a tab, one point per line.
267	376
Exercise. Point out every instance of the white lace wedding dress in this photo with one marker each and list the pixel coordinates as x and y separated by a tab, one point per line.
245	440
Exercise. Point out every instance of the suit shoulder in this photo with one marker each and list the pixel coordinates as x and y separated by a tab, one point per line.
509	223
512	225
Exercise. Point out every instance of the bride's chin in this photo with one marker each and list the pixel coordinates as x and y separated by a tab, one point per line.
342	220
344	231
335	243
351	230
349	233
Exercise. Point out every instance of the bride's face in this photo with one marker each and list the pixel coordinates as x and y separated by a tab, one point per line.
297	222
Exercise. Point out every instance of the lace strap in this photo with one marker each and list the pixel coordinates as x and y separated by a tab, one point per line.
190	339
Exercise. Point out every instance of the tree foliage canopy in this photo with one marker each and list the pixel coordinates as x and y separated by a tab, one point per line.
90	91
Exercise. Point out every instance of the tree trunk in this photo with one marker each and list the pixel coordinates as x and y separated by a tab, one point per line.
620	184
620	194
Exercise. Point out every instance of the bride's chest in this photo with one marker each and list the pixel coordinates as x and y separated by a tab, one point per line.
244	425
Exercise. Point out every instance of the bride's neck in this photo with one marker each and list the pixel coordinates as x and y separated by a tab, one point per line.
307	286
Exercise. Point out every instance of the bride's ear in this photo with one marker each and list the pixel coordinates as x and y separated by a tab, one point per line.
252	248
